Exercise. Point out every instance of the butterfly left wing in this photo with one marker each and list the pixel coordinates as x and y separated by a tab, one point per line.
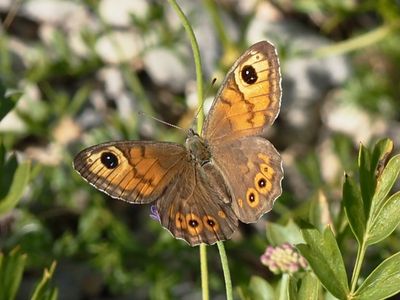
133	171
249	98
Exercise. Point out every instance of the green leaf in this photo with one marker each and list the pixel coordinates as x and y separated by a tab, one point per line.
367	182
385	183
2	157
20	180
258	289
44	289
319	211
8	100
9	168
343	146
309	288
324	257
386	220
306	287
354	208
278	234
380	154
383	282
11	270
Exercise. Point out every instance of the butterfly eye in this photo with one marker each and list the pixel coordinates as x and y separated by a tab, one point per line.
249	74
109	160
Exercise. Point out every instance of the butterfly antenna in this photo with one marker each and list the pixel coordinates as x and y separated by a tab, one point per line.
141	113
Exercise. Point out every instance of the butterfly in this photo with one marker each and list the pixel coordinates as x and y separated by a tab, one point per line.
229	173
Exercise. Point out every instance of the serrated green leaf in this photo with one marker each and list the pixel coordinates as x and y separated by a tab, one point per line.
367	182
278	234
385	183
380	154
383	282
258	288
354	208
44	290
324	257
20	180
11	269
385	221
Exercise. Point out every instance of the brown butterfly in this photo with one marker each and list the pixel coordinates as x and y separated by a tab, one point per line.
229	173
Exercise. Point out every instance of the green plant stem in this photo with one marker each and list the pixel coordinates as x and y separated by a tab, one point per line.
212	8
358	42
284	287
357	266
225	269
204	272
197	61
200	120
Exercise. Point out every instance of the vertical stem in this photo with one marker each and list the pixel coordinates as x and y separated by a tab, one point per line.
204	272
283	291
357	267
200	120
225	269
197	62
218	24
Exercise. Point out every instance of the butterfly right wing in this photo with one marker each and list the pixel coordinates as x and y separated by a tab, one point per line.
249	99
133	171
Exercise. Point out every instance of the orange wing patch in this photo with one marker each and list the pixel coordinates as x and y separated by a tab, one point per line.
134	172
249	99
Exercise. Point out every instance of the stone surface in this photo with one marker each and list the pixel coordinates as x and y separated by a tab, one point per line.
53	11
167	69
121	12
119	46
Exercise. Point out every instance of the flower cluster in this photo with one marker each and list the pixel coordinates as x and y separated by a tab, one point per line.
283	259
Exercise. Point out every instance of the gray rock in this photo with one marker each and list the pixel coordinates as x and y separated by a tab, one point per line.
120	12
53	11
166	68
119	46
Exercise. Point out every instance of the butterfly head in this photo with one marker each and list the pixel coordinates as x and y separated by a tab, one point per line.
197	147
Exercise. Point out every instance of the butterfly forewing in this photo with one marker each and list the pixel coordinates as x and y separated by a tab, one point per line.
136	172
249	98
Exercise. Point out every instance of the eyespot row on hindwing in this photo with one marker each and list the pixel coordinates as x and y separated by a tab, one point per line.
194	224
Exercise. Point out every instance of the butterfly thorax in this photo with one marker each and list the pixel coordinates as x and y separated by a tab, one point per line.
197	148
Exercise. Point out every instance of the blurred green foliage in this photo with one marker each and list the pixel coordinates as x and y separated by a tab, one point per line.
104	247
